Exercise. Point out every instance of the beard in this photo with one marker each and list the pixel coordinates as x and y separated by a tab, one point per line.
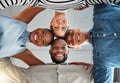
59	61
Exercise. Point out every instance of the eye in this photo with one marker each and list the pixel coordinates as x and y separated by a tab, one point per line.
56	28
78	33
54	48
63	28
64	48
43	32
78	40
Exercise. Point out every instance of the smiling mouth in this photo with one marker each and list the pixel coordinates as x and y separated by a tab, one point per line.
36	37
59	55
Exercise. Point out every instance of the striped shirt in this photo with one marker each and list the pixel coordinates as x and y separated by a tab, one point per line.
56	4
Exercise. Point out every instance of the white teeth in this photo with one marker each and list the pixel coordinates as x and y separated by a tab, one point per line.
35	37
59	54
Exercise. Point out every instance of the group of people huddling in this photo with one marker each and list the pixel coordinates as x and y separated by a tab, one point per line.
104	37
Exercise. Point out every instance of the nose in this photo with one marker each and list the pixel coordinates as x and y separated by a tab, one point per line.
59	50
60	26
39	36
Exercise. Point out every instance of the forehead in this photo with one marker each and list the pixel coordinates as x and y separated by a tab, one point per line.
59	42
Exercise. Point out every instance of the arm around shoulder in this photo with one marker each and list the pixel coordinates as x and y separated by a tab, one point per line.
28	58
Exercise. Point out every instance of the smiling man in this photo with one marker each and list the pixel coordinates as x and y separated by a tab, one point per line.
105	38
76	38
59	51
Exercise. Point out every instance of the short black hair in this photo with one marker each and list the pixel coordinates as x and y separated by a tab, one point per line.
56	40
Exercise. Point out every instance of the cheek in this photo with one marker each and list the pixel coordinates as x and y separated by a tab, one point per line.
65	51
53	51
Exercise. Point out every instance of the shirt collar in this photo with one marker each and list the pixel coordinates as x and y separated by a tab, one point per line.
27	36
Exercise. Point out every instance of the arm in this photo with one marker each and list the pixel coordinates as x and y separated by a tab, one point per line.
87	3
28	14
81	63
93	2
28	58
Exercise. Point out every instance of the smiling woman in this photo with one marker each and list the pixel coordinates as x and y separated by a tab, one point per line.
59	24
41	37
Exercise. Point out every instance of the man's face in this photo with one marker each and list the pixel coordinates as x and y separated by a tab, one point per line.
41	37
75	38
59	51
59	24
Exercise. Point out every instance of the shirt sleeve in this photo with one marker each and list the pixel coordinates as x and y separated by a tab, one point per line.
7	3
93	2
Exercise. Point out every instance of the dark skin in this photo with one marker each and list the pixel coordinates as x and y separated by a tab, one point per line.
26	16
60	46
28	57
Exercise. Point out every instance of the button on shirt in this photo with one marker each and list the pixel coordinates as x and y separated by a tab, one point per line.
13	36
106	36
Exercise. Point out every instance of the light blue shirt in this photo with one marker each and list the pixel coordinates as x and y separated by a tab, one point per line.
13	36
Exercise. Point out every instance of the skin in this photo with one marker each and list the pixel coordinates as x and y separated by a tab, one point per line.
41	37
59	24
26	16
28	57
58	49
75	38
